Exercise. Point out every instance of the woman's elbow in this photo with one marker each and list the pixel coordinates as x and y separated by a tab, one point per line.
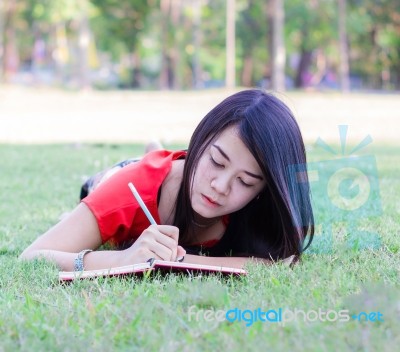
31	252
27	254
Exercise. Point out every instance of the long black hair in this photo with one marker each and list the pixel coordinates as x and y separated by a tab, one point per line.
275	224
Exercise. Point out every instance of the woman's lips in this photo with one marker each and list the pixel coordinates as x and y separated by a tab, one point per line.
209	201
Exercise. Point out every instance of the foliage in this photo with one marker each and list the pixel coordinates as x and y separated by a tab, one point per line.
119	21
252	30
375	28
147	44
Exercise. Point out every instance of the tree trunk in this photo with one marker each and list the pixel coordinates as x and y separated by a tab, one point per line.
163	78
278	46
230	44
171	61
83	43
2	12
344	52
270	45
248	63
60	51
321	68
176	56
396	70
136	75
10	56
303	74
197	72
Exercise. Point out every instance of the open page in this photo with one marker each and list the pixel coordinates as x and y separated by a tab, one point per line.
155	265
177	266
120	270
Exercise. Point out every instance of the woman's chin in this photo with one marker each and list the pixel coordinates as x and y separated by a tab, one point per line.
203	212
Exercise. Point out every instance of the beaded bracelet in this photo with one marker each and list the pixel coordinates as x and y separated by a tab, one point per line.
78	263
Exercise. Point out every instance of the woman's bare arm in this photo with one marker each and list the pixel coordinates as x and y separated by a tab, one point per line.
67	238
79	231
62	243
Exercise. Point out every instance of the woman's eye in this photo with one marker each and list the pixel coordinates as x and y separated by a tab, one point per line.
215	163
244	183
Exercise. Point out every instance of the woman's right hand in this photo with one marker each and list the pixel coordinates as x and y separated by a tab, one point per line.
157	241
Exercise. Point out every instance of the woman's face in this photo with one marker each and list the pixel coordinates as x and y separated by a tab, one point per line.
227	177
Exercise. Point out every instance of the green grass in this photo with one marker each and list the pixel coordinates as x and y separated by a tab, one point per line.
38	183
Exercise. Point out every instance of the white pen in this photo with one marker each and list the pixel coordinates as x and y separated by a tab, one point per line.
149	216
141	203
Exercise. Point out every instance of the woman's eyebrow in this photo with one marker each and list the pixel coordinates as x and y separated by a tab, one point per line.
254	175
227	158
221	151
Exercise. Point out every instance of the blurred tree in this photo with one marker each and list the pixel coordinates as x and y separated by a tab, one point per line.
344	51
252	41
171	51
311	37
197	41
374	34
57	27
178	44
178	39
230	40
2	12
117	25
278	49
212	53
84	39
10	54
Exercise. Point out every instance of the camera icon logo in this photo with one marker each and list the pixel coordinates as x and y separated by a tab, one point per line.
348	188
344	189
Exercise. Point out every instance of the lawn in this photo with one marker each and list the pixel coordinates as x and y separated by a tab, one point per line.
40	182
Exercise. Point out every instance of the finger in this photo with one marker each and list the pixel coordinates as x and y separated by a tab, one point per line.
165	240
169	242
170	246
180	252
141	254
154	255
168	230
152	235
162	252
152	232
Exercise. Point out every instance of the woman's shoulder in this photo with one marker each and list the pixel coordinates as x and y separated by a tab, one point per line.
164	155
154	169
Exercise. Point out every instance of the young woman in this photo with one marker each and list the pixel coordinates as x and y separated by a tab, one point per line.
228	199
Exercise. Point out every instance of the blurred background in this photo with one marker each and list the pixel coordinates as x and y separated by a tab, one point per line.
185	44
196	45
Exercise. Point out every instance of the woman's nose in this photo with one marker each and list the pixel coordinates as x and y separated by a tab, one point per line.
221	184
